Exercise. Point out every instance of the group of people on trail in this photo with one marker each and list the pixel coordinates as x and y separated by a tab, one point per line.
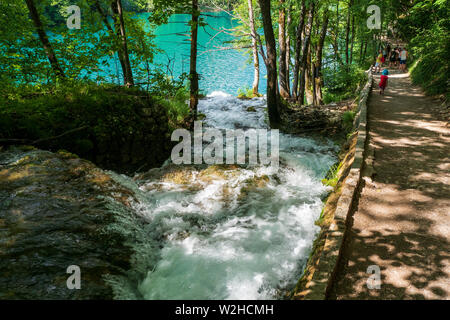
397	59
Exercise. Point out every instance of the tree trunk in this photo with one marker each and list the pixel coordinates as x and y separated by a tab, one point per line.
361	51
288	50
44	39
116	6
365	51
193	75
272	92
309	95
284	91
347	33
353	40
298	48
337	56
254	48
318	98
111	33
303	66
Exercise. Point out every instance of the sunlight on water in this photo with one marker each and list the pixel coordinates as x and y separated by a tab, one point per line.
225	70
220	66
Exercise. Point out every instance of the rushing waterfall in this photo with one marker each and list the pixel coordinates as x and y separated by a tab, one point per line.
229	232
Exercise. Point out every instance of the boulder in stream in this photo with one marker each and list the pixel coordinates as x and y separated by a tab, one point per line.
53	214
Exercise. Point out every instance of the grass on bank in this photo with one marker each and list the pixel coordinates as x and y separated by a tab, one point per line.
247	93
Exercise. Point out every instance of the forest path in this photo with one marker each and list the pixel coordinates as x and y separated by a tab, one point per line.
402	221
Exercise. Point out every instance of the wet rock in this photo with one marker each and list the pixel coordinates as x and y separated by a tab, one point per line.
54	214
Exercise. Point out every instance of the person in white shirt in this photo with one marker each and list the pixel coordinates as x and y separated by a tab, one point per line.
403	58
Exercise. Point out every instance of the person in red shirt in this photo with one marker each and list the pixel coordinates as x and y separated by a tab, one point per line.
383	81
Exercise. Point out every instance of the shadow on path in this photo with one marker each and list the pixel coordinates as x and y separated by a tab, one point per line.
402	220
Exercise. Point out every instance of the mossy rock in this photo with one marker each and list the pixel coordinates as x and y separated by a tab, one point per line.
58	216
182	176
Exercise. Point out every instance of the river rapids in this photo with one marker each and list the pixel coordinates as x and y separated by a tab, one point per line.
226	232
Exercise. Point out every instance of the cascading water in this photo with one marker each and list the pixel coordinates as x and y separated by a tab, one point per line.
229	232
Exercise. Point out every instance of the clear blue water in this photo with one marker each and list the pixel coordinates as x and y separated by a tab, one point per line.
220	70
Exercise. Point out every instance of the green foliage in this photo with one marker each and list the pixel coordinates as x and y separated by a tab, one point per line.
332	177
245	93
177	107
425	26
342	83
422	15
431	70
111	114
242	29
347	120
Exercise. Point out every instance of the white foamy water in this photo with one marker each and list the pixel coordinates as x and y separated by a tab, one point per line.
232	232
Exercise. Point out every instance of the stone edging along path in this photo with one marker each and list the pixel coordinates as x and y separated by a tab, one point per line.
321	270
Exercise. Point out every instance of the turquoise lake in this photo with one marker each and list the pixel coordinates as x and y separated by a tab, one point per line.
220	70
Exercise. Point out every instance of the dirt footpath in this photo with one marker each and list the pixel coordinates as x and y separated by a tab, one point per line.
402	221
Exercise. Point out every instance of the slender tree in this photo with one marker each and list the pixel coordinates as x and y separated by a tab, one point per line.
317	84
288	49
116	6
283	76
335	42
271	64
298	49
104	17
309	95
305	48
353	40
44	39
254	48
193	75
347	33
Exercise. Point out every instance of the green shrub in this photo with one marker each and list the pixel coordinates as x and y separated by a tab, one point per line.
431	69
123	128
347	120
332	176
247	93
177	107
343	83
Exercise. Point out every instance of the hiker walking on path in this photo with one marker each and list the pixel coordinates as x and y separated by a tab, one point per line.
393	58
378	62
383	81
403	58
397	61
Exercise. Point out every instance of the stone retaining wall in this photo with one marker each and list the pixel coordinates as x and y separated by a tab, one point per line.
322	267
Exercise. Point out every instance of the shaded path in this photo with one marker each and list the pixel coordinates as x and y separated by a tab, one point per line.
402	221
